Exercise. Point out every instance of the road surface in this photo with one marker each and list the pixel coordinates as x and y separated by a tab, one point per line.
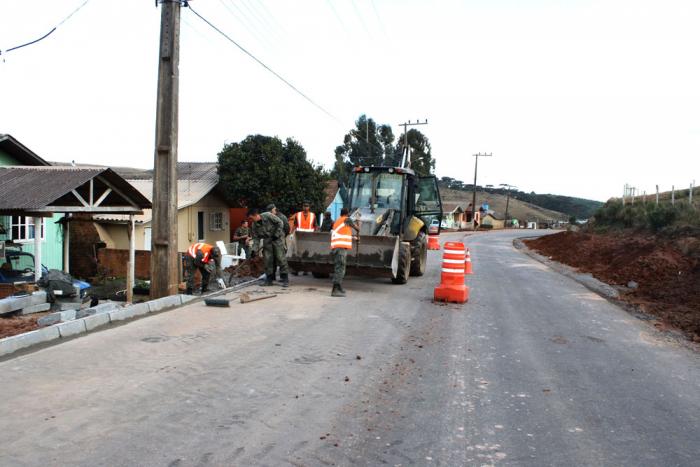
534	370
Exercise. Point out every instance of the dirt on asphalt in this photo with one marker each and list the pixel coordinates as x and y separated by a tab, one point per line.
659	275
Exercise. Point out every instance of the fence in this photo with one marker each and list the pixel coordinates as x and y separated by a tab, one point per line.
690	195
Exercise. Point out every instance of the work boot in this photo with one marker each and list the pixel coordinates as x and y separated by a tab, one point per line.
285	280
268	281
337	291
342	290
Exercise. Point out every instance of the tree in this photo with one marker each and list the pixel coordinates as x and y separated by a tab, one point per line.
367	144
422	161
262	169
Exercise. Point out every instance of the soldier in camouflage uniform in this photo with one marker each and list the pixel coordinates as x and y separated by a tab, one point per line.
271	231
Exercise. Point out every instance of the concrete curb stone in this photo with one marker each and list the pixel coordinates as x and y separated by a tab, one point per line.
36	308
21	341
164	302
122	314
139	309
71	328
49	319
95	321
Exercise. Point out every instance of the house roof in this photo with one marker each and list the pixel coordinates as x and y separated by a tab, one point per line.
330	191
495	216
19	151
50	188
452	207
195	181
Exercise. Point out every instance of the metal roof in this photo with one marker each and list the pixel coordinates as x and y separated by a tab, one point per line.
19	151
39	188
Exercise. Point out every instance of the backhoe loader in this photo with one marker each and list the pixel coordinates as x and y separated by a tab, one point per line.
393	208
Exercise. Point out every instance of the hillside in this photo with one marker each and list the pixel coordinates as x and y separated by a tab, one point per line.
516	209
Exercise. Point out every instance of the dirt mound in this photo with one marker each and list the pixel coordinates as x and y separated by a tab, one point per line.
664	273
252	267
13	325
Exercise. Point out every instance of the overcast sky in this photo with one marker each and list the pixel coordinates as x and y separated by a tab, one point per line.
574	97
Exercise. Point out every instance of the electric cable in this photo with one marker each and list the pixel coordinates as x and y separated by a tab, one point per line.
50	32
277	75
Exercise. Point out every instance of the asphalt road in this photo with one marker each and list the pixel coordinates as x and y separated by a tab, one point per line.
534	370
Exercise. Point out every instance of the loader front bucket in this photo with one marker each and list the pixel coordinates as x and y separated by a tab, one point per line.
372	256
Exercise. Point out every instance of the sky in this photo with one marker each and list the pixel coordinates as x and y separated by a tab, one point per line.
572	97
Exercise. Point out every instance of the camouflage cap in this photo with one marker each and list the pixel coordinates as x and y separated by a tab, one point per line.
270	207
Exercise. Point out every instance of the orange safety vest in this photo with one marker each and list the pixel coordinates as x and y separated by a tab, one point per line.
341	235
305	224
205	248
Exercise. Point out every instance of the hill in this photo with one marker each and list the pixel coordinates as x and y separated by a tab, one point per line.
578	207
517	209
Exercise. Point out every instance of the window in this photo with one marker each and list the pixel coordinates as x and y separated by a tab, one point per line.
216	221
22	229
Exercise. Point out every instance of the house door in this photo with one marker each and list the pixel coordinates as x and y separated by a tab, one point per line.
147	238
200	226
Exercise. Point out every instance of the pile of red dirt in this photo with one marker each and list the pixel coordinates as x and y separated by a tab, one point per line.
252	267
664	273
13	325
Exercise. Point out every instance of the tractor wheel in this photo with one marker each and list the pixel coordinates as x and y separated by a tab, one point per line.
419	254
404	269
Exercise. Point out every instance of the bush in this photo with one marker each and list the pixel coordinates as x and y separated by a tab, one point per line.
613	215
663	215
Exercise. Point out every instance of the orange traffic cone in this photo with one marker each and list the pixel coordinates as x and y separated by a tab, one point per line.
468	263
452	287
433	242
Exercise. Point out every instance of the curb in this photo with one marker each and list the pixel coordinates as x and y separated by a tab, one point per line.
105	315
585	279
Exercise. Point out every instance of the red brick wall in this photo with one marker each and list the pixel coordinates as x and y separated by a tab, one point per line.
112	263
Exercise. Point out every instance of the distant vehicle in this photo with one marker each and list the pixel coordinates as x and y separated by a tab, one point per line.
434	227
19	267
443	225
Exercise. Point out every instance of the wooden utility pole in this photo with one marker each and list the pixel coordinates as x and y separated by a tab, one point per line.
407	156
476	165
164	263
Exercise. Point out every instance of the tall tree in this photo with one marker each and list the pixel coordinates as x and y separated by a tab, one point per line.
422	161
262	169
369	143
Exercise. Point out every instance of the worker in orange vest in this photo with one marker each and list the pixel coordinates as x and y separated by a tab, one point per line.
341	242
305	220
207	259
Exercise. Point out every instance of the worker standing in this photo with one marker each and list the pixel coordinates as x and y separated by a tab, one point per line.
305	220
341	242
327	223
207	259
271	232
242	236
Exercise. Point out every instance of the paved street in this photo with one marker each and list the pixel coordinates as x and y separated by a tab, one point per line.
534	370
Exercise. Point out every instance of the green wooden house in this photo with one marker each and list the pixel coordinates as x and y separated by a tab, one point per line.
21	229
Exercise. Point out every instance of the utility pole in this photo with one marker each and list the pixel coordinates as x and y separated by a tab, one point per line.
164	258
476	165
407	157
507	187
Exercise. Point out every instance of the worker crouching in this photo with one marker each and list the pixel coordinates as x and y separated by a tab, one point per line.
207	259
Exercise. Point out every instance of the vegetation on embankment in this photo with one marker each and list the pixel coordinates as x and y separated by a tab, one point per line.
664	218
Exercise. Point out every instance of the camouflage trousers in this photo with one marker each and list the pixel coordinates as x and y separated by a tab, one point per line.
275	254
340	256
190	269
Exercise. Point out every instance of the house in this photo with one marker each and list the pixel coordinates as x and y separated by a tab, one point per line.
20	229
333	198
492	221
453	216
203	214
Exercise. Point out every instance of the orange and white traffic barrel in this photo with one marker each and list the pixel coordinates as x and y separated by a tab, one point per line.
452	287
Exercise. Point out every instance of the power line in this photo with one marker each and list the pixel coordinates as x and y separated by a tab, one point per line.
277	75
50	32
